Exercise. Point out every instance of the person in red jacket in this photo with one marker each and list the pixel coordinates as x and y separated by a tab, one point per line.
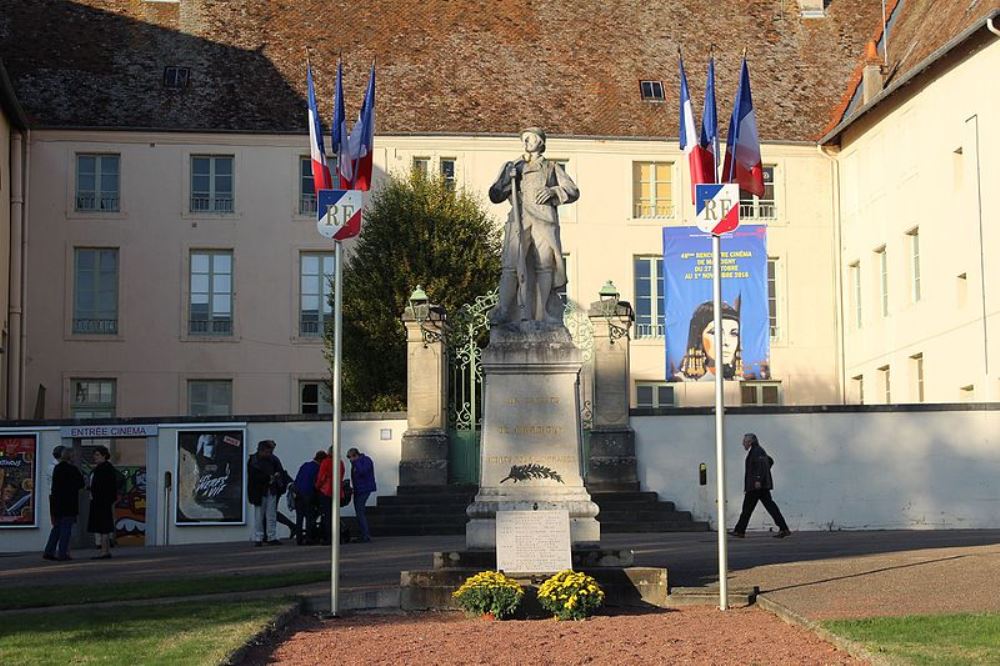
324	486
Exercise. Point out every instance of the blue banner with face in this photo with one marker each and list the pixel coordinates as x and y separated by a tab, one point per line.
689	316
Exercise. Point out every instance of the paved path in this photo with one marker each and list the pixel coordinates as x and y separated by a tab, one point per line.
817	574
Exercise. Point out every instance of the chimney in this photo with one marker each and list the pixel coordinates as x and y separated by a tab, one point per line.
871	75
812	8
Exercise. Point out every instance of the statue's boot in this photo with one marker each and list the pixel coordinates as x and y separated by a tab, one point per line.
507	297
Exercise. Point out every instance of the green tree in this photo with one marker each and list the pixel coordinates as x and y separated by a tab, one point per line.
417	230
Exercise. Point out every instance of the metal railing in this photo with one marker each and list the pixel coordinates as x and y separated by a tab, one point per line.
762	210
202	204
91	202
310	326
307	204
649	211
648	331
95	326
210	327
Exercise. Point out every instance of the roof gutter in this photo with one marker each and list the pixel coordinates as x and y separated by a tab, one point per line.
924	65
8	101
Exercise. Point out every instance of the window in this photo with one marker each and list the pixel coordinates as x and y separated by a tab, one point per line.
307	193
97	183
176	77
652	189
648	394
859	383
95	291
652	91
752	206
856	279
92	398
760	393
886	383
772	296
211	310
210	397
447	167
314	398
315	270
648	297
212	184
883	282
917	363
422	165
914	264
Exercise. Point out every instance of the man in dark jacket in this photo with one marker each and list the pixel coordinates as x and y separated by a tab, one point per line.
363	480
306	503
266	483
757	486
64	502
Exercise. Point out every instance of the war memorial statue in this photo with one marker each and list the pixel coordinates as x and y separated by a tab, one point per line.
531	430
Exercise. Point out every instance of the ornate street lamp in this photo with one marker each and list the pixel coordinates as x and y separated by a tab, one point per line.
613	308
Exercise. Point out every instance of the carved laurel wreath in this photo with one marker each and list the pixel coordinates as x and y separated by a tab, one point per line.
526	472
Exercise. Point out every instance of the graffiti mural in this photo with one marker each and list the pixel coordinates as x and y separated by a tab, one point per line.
130	509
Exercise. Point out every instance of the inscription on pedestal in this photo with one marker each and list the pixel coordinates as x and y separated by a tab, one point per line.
533	541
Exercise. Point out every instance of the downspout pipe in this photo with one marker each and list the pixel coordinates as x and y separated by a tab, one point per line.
992	28
838	272
16	308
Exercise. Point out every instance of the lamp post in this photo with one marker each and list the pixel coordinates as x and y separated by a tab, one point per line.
611	307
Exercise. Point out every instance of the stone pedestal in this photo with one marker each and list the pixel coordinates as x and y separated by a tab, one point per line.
612	464
424	460
531	433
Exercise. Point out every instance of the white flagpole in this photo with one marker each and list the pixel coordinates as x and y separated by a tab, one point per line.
336	399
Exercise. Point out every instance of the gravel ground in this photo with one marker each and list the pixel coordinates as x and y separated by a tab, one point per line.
693	635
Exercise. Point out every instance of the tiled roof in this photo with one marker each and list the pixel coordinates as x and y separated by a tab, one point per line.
454	66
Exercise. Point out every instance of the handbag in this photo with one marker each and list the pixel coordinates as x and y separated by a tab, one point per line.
346	492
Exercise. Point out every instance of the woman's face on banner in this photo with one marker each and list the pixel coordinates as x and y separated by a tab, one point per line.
730	340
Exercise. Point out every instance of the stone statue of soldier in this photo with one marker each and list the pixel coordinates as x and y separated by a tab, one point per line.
533	268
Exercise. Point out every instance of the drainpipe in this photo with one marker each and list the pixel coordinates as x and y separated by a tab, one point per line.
15	340
838	272
991	27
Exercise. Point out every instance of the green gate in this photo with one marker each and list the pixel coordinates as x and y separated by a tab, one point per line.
468	334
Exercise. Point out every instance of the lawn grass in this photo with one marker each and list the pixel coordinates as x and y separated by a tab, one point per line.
968	638
175	633
62	595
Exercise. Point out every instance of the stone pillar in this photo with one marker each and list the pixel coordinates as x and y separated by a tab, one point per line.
612	463
424	459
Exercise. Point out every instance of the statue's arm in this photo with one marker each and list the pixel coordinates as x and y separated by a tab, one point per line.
500	189
565	189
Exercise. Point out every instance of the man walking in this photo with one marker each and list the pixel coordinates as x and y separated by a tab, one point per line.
64	503
266	482
363	480
757	486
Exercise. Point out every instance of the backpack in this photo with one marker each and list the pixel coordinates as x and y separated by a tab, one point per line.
346	492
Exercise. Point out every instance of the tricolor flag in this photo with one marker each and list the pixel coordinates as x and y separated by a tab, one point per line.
338	133
743	165
688	138
708	142
320	172
363	137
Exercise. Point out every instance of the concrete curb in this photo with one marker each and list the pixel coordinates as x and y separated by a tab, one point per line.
383	598
791	617
281	621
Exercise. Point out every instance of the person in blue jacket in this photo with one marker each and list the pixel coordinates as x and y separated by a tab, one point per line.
306	502
363	480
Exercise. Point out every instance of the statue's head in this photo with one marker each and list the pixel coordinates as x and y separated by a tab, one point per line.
533	139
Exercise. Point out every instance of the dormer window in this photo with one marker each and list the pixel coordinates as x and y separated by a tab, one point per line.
652	91
176	77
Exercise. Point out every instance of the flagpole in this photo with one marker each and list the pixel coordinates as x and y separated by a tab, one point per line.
720	414
336	399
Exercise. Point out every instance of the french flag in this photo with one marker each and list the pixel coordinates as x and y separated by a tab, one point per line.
362	139
743	164
688	139
320	171
339	135
708	143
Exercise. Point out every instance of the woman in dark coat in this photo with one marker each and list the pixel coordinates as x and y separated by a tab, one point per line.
103	495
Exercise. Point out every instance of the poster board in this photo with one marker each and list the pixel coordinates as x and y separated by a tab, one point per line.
19	480
210	470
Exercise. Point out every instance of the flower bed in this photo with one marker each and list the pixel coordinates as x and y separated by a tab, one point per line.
570	595
489	593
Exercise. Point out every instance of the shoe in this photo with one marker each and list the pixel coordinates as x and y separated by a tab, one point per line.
273	542
63	558
105	556
257	544
782	534
48	556
738	535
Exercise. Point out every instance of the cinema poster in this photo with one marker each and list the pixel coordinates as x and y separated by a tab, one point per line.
210	477
689	311
18	481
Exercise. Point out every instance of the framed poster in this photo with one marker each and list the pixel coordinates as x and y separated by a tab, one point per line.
18	480
209	473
